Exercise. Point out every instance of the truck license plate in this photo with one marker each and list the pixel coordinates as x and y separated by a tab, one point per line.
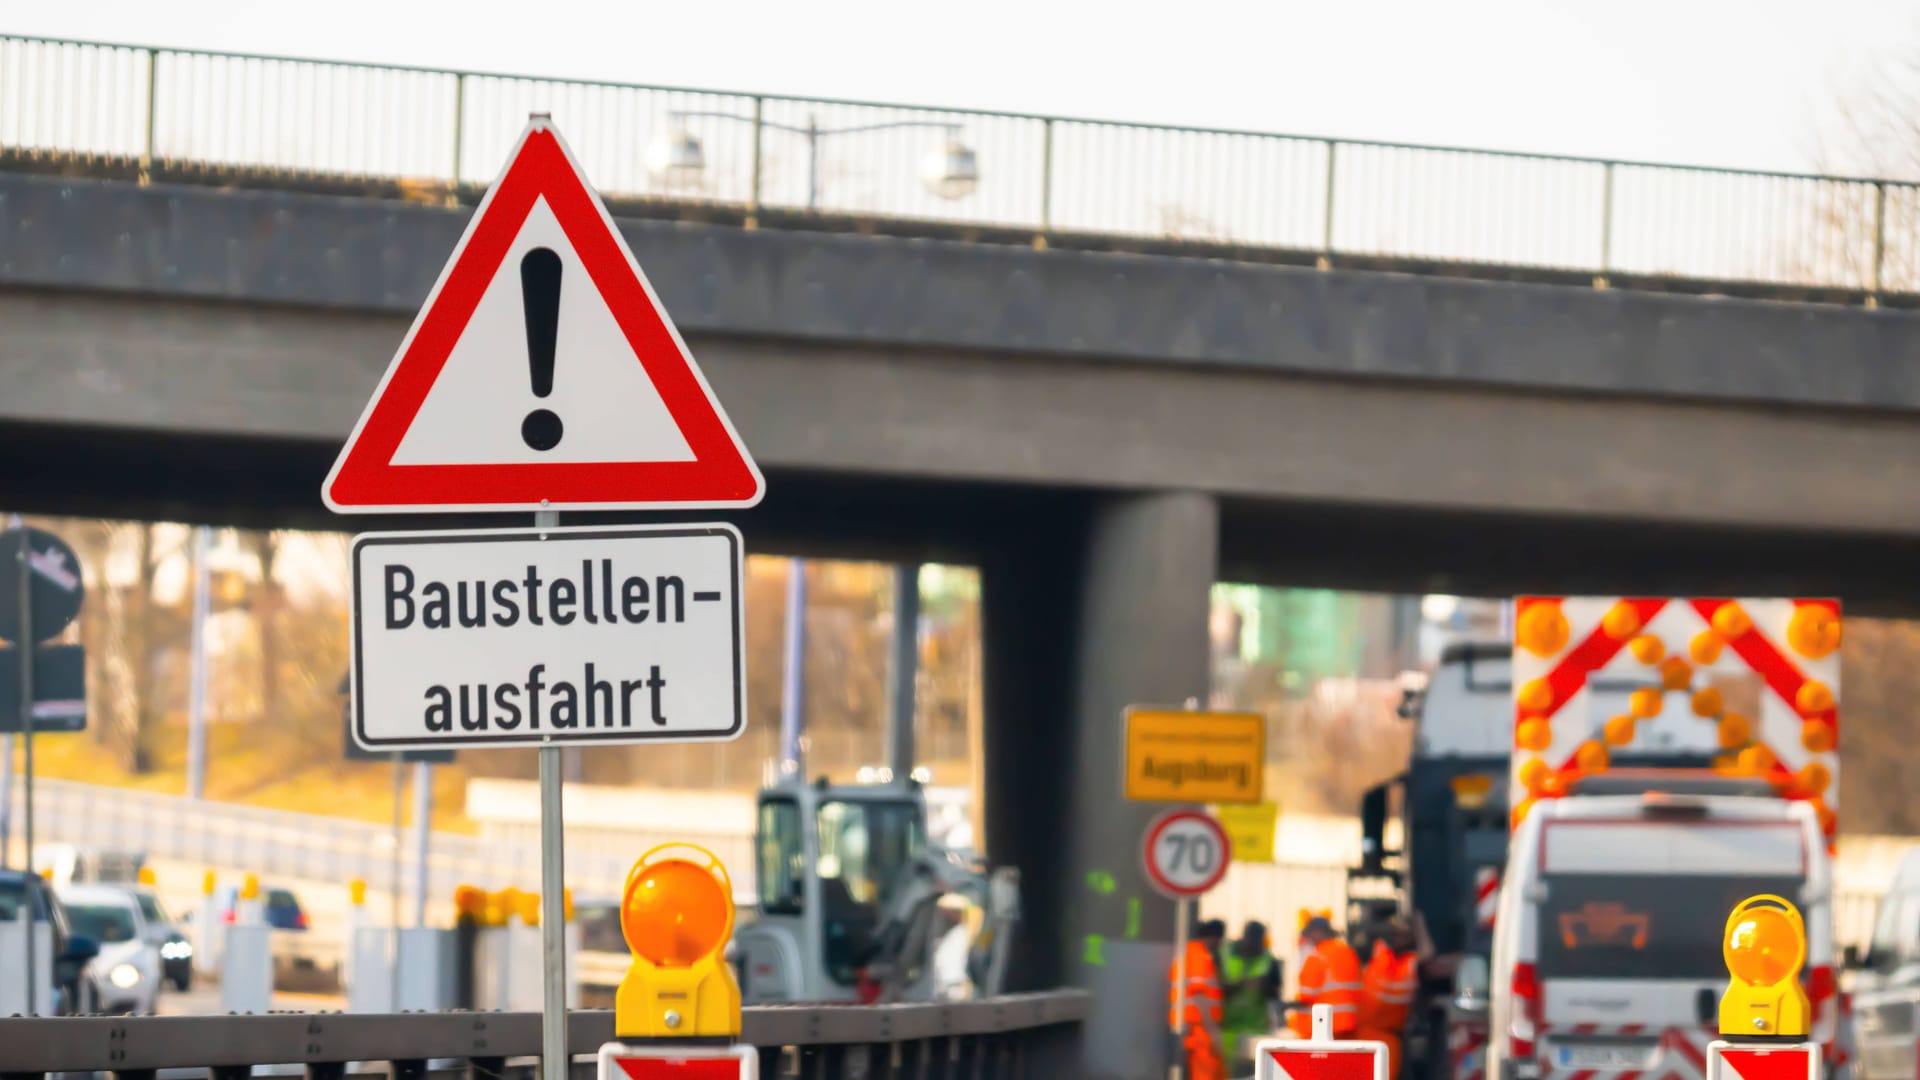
1602	1056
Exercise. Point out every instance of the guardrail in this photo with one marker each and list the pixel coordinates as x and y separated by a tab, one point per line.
1013	1037
172	109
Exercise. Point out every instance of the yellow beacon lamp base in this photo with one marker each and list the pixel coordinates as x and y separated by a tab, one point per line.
1765	946
677	915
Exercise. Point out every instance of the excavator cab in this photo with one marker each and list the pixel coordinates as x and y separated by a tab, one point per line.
829	859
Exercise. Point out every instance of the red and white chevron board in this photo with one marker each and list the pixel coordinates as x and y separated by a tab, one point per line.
1486	895
622	1061
1305	1059
1675	648
1749	1061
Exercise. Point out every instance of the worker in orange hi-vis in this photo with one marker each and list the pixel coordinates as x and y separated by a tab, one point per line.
1387	987
1201	1041
1329	975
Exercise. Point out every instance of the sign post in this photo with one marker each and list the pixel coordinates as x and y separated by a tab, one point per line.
1185	853
542	375
23	642
38	600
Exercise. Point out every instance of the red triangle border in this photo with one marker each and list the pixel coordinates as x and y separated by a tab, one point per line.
720	474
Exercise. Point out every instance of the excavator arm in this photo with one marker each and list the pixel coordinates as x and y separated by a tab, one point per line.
902	943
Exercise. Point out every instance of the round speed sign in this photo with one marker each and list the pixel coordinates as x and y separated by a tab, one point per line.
1186	853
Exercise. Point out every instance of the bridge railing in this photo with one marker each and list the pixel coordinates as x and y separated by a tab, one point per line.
176	110
1013	1037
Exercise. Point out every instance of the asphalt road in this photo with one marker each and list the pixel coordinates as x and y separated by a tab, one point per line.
204	1000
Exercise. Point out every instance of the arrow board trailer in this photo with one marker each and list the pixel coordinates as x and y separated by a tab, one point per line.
515	636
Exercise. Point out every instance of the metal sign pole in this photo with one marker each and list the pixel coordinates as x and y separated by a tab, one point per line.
393	894
197	679
423	836
6	800
25	646
553	950
1182	915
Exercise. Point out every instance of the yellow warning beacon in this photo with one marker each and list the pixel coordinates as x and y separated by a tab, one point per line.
1765	947
677	915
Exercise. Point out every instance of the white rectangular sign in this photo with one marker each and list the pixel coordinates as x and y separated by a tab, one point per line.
507	637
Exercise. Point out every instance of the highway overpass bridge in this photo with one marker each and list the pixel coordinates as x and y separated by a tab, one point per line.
1104	433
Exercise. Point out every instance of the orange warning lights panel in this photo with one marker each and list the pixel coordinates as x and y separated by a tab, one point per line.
1662	665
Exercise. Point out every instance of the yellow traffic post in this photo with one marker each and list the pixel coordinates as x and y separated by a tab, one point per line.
1765	1013
676	913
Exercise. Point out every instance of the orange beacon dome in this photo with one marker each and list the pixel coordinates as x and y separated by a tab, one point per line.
675	913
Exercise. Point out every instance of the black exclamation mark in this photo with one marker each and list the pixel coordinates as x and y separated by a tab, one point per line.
540	297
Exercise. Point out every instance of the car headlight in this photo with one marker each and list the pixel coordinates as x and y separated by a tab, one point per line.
176	950
124	976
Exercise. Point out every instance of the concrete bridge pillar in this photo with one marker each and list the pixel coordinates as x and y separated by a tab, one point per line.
1106	609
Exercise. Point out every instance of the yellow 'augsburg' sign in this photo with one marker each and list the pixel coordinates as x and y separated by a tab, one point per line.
1198	757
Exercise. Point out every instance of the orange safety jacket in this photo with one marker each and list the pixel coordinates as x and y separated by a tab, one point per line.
1387	989
1329	976
1203	987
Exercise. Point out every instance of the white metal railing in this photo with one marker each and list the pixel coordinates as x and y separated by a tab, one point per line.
185	109
279	843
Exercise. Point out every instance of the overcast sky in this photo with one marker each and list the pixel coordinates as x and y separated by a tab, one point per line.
1742	83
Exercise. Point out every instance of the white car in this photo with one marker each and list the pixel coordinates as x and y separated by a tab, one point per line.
1607	941
125	976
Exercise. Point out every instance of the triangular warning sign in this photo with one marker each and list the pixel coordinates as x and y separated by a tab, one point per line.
542	373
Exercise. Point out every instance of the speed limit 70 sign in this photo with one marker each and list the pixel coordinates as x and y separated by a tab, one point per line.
1186	853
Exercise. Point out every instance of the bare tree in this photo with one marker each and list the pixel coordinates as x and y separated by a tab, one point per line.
131	701
265	545
1875	132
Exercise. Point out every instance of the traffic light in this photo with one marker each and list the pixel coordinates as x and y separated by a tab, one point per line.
677	916
1765	946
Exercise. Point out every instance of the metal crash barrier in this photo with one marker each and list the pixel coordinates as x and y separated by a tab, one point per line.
1019	1035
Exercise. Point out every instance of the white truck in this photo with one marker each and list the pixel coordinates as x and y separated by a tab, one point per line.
1607	940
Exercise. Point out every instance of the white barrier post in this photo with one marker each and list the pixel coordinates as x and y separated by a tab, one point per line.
356	921
13	962
246	963
206	929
